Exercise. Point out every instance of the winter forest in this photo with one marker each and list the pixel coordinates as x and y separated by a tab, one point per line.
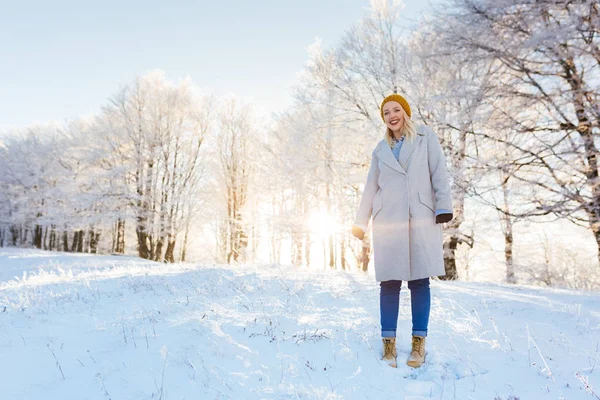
170	173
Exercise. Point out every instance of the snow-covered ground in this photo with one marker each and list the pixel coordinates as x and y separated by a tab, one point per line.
109	327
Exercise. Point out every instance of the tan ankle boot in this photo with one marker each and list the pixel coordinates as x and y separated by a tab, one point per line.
417	355
389	351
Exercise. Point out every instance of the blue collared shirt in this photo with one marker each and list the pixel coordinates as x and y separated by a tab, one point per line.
397	147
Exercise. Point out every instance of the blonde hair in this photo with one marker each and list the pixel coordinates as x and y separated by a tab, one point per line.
408	131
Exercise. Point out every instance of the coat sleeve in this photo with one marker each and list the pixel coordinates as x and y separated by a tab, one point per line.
440	178
371	187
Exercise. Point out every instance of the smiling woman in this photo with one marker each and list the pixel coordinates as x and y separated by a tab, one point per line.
407	195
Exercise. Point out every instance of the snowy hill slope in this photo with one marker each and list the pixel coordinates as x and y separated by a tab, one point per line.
107	327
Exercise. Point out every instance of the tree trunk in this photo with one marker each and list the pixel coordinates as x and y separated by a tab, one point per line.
142	246
65	239
458	195
121	236
331	252
297	248
170	252
37	237
231	249
149	203
45	241
113	243
450	258
158	250
53	242
74	243
141	214
508	254
365	254
307	244
94	237
343	254
86	241
185	242
238	237
142	236
595	227
14	232
152	247
222	244
80	241
243	244
508	231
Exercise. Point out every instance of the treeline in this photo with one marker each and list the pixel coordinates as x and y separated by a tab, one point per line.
510	87
141	163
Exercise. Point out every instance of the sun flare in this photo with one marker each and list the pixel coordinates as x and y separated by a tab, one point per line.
322	224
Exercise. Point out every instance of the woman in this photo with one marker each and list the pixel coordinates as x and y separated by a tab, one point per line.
408	195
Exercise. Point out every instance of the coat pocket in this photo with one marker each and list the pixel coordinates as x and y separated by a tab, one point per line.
426	201
377	204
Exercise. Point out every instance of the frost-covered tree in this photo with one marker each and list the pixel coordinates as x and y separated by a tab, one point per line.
235	131
546	90
54	203
157	128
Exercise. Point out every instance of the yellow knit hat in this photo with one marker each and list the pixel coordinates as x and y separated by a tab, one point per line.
399	99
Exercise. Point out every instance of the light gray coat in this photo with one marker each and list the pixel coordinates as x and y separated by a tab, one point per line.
402	198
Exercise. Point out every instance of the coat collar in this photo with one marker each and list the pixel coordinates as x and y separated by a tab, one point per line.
407	149
387	157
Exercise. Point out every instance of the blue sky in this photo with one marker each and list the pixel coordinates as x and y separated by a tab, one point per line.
63	59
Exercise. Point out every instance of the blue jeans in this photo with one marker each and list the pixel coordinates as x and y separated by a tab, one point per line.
389	302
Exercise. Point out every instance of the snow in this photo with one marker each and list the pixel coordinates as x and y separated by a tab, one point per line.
114	327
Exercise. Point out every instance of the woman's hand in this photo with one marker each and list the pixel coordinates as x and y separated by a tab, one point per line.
358	232
443	218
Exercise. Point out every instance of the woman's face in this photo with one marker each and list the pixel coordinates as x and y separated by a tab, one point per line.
393	115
